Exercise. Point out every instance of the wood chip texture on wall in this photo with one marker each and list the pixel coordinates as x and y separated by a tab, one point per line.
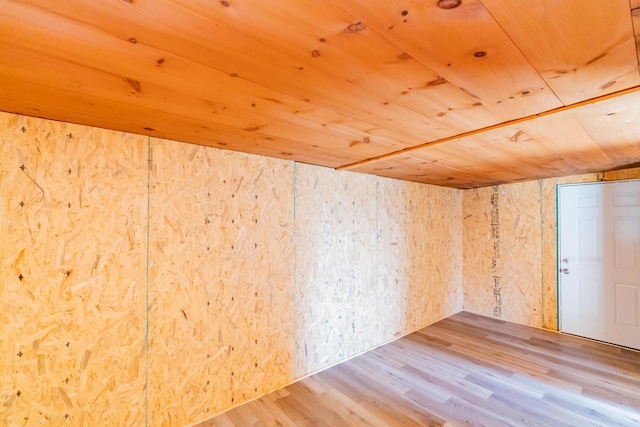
73	226
220	300
373	262
510	250
162	295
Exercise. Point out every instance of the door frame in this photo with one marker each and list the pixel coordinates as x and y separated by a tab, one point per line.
557	261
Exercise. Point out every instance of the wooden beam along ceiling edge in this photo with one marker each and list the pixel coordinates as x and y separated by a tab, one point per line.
531	117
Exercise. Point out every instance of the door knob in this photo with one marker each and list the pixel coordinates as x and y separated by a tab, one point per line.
565	260
564	270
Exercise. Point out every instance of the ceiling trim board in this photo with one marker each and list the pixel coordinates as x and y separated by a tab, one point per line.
529	118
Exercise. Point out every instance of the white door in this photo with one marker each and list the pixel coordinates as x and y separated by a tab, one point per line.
599	261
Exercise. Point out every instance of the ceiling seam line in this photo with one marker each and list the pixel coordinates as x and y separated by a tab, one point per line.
555	111
636	31
515	45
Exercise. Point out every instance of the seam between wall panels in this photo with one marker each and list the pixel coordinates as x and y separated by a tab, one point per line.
376	272
294	352
541	250
146	337
430	243
555	262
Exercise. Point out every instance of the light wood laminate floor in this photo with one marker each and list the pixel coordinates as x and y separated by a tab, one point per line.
464	370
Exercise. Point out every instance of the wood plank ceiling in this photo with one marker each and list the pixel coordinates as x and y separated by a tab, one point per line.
461	93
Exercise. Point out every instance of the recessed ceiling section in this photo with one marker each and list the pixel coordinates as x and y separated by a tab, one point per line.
573	141
342	83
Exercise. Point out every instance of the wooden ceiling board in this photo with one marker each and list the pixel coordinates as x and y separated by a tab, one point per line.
495	151
213	44
347	57
476	157
425	167
225	92
138	61
461	97
77	108
582	50
465	46
527	150
461	163
344	142
614	125
495	156
635	17
361	57
574	141
563	136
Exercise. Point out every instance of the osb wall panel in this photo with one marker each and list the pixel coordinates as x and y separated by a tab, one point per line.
336	294
419	252
375	259
221	302
520	288
503	252
480	257
72	274
403	233
633	173
445	251
510	248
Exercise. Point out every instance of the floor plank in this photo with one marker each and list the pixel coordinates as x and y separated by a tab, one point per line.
464	370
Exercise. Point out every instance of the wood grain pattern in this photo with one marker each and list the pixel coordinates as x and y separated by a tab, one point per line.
466	47
635	17
466	369
212	57
347	82
592	137
604	123
576	64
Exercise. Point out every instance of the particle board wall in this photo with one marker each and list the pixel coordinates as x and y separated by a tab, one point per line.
258	271
372	262
445	249
510	251
221	302
420	250
336	297
72	274
502	254
403	236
